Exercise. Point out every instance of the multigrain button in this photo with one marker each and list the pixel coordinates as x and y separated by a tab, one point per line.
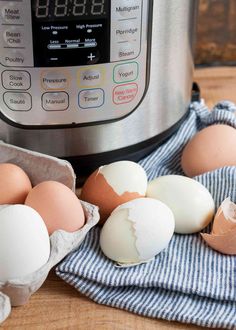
54	80
91	98
12	13
16	80
90	77
125	72
13	36
128	9
18	101
55	101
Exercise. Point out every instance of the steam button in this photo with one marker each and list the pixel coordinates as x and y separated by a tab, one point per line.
18	101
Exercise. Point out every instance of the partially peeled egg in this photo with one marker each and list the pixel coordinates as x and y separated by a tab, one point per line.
114	184
137	231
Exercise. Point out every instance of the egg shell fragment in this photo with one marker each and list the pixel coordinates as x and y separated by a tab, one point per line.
223	235
211	148
58	205
14	184
114	184
24	242
137	231
191	203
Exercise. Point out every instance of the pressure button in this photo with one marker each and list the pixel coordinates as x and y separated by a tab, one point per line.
16	80
54	80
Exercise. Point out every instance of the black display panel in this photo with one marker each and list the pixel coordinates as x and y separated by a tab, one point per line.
69	9
60	38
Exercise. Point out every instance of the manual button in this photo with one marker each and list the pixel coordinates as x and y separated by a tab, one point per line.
18	101
55	101
16	80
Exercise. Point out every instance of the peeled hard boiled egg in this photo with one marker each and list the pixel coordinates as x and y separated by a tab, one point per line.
210	149
114	184
136	231
191	203
24	242
58	206
14	184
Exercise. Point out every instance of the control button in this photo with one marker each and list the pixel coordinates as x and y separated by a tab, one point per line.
54	80
90	77
13	36
93	57
55	101
91	98
128	51
16	80
12	13
18	101
125	93
130	11
13	58
125	72
127	31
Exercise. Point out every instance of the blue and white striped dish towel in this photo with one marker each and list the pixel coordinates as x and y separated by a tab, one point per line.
188	282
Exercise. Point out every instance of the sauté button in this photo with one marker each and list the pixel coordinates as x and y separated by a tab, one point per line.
91	98
18	101
55	101
16	80
125	93
126	72
54	80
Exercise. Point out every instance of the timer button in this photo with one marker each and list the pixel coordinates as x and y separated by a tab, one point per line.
91	98
13	37
16	80
18	101
54	80
55	101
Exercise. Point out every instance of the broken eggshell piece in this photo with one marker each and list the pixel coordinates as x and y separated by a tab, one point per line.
223	235
137	231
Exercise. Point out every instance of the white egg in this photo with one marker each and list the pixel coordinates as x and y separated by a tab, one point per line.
136	231
24	242
191	203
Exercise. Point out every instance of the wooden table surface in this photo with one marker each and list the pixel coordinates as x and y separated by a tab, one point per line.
58	306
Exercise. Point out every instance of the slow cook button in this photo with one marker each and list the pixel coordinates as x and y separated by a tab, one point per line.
13	36
125	93
55	101
91	98
18	101
54	80
16	80
125	72
131	10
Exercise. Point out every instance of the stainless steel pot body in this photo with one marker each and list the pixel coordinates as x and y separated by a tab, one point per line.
166	101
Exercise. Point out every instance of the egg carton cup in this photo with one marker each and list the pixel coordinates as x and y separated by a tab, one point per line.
40	168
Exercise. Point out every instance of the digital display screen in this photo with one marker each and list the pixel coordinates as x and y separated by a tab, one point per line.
69	9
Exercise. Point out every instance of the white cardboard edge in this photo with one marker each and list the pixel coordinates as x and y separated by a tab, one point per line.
5	307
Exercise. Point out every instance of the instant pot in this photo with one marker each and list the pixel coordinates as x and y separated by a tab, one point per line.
94	81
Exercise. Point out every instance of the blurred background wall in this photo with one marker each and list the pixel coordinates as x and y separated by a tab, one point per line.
216	35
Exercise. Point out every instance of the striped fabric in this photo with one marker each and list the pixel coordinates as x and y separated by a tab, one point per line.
188	282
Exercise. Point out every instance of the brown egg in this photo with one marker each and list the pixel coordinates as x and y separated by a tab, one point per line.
114	184
210	149
58	206
14	184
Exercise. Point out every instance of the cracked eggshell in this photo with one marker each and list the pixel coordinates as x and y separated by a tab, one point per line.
223	235
137	231
191	203
114	184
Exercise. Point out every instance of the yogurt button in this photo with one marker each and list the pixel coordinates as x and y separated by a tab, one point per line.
126	72
18	101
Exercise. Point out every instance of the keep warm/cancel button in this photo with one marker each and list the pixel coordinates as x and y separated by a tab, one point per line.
55	101
125	93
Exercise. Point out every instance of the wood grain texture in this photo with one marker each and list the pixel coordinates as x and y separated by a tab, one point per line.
58	306
216	33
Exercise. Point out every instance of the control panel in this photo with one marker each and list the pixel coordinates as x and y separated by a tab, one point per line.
72	62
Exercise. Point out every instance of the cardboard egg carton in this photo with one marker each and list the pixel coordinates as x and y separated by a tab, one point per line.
41	168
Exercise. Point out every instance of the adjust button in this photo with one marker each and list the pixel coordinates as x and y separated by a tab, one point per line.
125	72
54	80
55	101
18	101
16	80
90	77
91	98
